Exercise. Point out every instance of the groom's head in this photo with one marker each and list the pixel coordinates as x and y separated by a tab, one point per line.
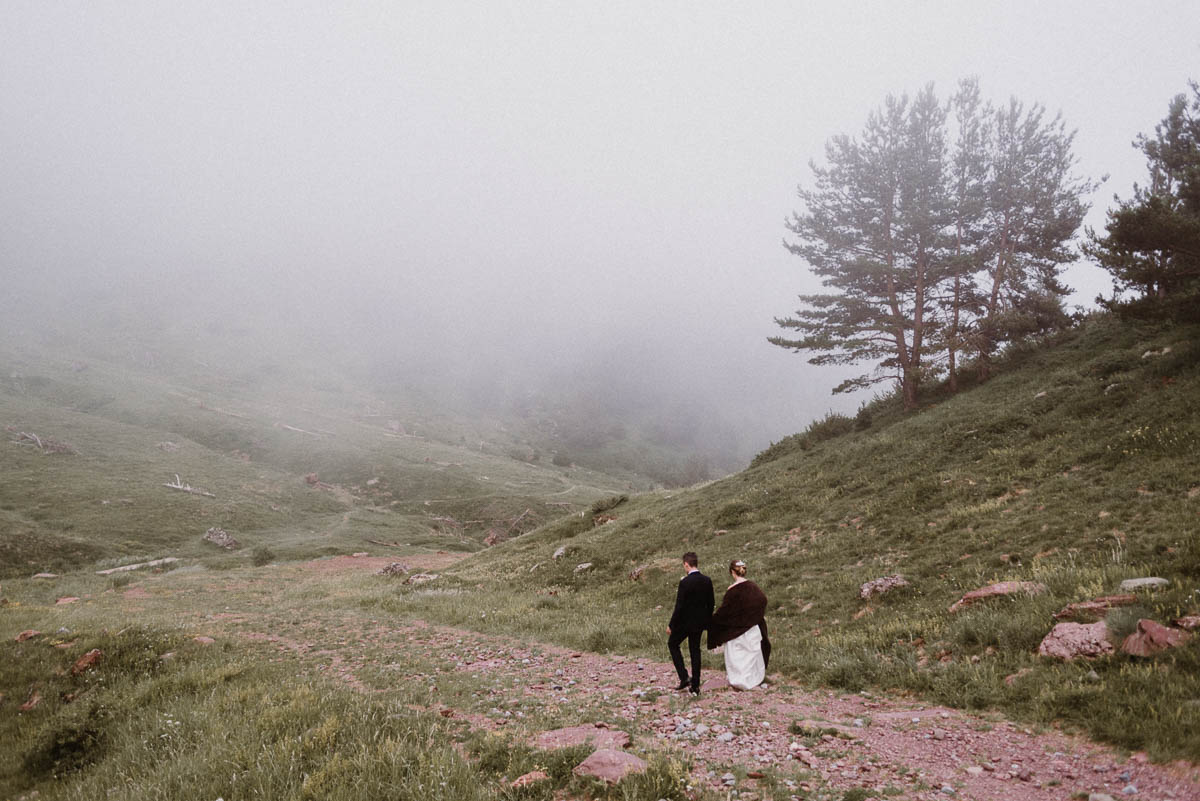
691	561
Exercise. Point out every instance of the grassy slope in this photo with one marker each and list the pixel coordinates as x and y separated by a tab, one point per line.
1076	467
107	502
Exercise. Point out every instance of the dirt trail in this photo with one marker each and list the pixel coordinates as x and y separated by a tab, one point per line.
801	738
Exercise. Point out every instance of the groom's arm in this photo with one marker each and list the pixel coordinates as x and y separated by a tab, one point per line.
675	622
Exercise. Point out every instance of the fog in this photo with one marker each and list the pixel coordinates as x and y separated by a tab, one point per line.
535	193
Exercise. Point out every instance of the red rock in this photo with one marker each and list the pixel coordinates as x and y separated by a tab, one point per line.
580	735
34	699
86	661
1096	608
1069	640
532	777
1190	622
998	590
609	766
28	634
66	599
1013	678
1152	637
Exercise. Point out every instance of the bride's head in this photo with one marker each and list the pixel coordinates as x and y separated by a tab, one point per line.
737	568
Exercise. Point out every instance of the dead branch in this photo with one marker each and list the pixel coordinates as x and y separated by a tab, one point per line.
45	445
286	427
179	485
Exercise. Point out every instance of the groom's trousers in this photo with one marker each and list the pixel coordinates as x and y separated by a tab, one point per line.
673	643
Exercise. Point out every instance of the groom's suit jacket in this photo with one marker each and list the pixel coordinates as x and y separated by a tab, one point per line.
693	604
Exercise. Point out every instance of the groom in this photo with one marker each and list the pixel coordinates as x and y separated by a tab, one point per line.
693	610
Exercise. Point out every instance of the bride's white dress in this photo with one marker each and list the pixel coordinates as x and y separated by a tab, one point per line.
744	660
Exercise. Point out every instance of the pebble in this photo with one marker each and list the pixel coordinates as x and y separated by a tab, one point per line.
1129	789
725	737
947	789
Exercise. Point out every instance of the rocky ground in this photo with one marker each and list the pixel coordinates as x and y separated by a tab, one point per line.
780	741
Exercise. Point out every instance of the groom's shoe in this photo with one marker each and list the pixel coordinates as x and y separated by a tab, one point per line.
683	685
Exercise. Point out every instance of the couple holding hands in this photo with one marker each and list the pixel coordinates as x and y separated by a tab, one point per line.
738	624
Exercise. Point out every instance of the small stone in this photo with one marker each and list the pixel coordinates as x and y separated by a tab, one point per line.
1100	797
86	661
68	599
1129	789
560	553
1149	583
527	779
202	640
610	765
583	567
45	575
725	737
975	770
947	789
35	698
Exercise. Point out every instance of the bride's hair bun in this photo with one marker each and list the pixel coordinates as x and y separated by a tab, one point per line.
737	567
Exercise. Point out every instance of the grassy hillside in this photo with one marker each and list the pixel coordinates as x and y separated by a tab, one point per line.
111	432
1076	466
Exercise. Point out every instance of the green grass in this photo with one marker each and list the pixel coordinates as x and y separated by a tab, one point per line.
1075	467
161	716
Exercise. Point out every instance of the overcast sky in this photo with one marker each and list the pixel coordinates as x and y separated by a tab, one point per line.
535	182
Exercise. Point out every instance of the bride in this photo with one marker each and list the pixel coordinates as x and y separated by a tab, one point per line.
738	624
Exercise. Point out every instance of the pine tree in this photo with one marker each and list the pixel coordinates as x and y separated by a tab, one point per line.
870	229
1152	241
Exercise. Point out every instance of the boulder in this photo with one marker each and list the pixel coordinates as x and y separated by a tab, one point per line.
395	569
1152	637
1189	622
202	640
28	634
998	590
560	553
420	578
1094	609
86	661
881	585
1149	583
221	538
610	766
1069	640
582	735
583	567
45	575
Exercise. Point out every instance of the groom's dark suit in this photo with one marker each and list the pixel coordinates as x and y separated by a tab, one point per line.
693	609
